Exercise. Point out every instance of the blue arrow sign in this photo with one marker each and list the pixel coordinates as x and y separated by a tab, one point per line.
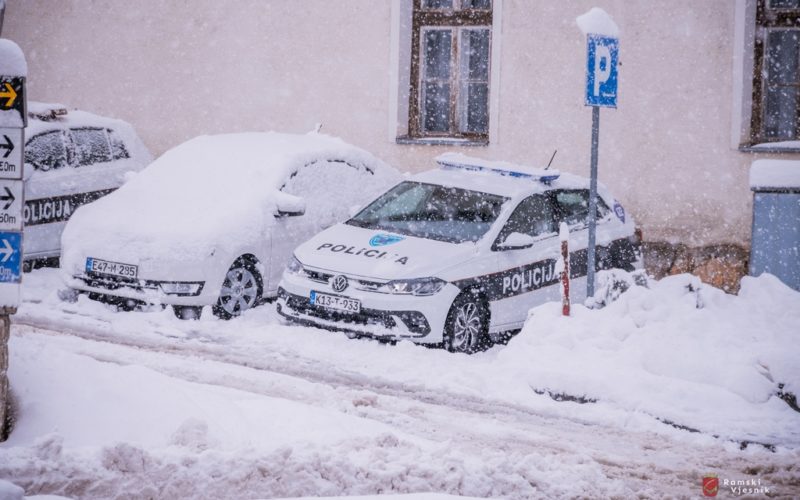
10	257
602	53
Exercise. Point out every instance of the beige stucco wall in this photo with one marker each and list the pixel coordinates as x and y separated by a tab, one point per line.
178	69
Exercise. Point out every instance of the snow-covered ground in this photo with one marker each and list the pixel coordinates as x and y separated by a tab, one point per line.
142	404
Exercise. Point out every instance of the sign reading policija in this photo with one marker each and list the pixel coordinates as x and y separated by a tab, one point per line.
13	118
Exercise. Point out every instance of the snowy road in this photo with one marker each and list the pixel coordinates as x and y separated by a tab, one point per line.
143	404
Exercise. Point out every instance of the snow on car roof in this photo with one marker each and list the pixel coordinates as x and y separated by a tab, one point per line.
211	187
59	117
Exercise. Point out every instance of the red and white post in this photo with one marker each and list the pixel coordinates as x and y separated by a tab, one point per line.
563	234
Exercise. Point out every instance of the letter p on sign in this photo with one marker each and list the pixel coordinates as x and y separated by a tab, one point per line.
602	53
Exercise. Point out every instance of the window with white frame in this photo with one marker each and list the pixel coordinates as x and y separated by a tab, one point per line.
450	69
776	72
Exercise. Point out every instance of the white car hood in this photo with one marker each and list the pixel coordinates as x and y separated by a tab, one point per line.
380	254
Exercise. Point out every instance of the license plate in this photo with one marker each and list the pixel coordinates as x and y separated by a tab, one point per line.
335	302
99	266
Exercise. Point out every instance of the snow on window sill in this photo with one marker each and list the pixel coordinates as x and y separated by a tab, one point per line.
772	147
442	141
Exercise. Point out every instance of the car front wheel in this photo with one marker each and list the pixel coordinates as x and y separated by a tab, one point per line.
467	326
241	290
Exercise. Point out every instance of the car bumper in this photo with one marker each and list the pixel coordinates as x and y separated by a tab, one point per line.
382	316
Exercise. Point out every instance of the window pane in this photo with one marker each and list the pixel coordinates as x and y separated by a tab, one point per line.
437	54
436	104
118	150
533	217
478	4
91	146
475	54
46	151
780	113
783	49
474	108
437	4
784	4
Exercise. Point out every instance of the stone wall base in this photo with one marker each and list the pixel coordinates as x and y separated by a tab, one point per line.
722	266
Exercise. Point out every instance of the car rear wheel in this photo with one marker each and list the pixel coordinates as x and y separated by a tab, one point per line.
241	290
467	326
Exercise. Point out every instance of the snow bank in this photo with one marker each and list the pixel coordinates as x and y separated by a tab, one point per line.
680	351
597	21
12	60
775	174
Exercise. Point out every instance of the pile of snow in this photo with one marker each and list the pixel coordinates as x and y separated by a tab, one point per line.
680	351
775	174
212	190
597	21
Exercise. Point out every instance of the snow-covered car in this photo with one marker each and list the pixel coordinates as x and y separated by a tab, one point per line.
213	221
71	158
455	255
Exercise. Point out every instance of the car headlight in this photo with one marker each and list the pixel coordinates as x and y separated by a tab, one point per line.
419	286
294	266
181	287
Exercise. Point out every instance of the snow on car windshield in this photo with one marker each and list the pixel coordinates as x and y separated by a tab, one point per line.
432	211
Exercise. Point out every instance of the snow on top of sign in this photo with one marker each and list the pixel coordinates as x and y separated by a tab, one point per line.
597	21
217	191
12	60
775	174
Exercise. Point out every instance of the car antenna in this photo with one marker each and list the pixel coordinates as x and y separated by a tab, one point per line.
551	160
317	127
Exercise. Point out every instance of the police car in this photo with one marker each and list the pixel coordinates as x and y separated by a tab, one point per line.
454	256
71	158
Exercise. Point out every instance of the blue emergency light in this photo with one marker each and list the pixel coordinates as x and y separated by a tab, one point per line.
543	176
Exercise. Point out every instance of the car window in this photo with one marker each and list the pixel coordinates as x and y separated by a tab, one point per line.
118	149
46	151
534	216
91	146
573	206
432	211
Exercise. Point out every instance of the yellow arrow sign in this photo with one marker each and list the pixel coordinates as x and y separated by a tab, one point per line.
9	94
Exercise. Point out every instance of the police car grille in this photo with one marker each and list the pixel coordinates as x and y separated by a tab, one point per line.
318	277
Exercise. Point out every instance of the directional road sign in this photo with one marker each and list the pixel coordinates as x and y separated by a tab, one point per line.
602	54
12	95
11	148
11	205
10	256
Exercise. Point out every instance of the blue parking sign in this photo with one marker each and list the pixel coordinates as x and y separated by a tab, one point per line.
10	257
601	70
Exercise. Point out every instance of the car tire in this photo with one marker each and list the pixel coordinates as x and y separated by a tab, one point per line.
187	312
241	290
466	329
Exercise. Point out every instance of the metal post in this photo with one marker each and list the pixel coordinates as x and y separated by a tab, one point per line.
564	235
590	260
5	332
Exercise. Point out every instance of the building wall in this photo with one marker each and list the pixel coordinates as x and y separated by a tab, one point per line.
178	69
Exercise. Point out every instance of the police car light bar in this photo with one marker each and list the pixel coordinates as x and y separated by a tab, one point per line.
457	161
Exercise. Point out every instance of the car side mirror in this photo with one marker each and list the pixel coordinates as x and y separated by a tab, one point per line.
287	205
516	241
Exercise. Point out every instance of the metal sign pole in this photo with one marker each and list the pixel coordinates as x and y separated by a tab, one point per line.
590	260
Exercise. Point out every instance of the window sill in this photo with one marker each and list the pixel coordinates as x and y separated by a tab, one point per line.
771	147
442	141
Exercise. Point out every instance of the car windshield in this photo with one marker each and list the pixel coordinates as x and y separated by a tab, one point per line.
432	211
